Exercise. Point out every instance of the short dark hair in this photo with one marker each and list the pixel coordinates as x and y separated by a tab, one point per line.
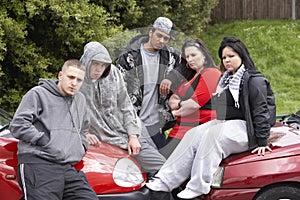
73	63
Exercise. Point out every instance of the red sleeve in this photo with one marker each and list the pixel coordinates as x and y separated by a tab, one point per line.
177	91
206	86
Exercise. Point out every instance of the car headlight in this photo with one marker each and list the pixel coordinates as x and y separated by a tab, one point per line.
218	177
127	174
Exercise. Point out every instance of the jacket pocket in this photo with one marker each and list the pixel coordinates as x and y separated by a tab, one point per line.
64	146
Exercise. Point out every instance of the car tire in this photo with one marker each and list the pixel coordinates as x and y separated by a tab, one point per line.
288	192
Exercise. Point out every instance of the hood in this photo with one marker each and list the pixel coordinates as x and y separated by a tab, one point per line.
135	43
284	141
95	51
50	85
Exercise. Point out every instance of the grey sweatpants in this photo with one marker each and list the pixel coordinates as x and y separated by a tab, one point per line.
150	159
54	182
201	151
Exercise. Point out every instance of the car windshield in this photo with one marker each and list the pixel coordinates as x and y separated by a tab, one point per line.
5	118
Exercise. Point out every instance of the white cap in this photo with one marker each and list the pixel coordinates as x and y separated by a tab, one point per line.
163	24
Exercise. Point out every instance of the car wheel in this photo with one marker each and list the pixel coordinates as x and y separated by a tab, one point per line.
286	192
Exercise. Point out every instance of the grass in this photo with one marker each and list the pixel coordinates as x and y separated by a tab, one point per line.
274	47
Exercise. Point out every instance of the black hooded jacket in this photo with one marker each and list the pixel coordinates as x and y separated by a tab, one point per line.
256	108
130	64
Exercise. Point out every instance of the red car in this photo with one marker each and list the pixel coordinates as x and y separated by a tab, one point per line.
274	176
112	173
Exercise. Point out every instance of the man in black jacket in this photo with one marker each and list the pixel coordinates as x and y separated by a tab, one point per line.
151	70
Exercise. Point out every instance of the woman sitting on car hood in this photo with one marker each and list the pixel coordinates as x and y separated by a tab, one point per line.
242	123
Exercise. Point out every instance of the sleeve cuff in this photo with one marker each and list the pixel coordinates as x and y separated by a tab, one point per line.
262	142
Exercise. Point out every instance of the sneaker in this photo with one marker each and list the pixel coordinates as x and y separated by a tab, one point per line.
156	184
187	194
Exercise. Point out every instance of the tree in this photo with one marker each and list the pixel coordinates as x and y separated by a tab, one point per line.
190	16
37	36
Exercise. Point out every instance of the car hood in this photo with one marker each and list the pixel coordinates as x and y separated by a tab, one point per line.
284	141
99	164
102	158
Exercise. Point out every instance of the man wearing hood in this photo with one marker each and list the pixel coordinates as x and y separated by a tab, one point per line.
112	116
50	124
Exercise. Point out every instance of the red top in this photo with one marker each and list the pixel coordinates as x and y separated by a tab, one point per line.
203	92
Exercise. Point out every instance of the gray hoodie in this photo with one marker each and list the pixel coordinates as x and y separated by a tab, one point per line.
50	127
112	114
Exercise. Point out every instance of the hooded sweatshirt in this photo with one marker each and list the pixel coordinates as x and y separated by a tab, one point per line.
112	114
50	127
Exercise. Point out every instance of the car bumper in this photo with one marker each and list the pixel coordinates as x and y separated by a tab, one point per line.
141	194
231	194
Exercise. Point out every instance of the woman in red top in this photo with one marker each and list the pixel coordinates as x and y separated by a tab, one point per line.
190	103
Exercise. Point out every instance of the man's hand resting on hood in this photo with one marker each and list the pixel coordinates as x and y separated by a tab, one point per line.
92	139
134	145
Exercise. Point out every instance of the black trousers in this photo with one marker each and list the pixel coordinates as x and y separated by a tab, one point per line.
169	147
156	135
54	182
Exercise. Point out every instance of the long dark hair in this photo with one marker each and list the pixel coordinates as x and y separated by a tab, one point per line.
189	73
240	48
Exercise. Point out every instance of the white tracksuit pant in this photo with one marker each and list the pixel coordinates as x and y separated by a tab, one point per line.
200	152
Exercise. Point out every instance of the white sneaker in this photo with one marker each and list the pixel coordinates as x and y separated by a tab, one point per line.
157	185
188	194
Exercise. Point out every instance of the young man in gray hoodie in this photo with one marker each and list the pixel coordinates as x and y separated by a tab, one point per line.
50	124
113	117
